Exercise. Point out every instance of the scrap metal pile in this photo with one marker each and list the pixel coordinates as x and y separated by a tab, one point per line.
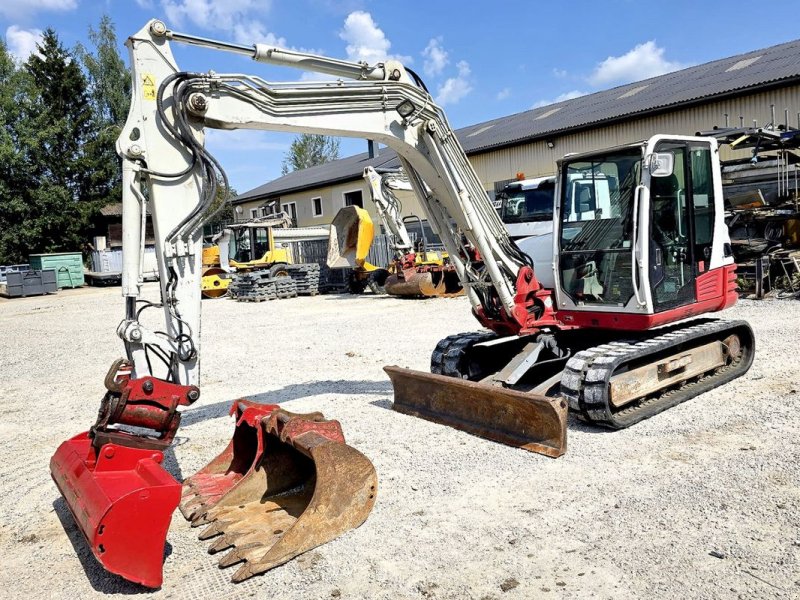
762	195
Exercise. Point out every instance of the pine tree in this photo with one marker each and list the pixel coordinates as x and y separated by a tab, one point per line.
109	87
50	199
308	150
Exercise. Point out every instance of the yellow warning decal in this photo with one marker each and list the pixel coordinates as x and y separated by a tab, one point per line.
149	86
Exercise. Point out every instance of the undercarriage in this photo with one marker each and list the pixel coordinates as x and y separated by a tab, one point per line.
612	379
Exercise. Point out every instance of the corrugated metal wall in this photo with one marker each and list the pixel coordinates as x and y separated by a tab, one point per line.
536	159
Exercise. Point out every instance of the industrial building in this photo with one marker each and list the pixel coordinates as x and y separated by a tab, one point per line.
755	88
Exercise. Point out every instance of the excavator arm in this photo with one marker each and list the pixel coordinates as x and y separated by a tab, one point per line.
383	103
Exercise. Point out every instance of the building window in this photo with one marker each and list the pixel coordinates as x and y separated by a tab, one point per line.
353	199
253	213
290	208
264	211
316	207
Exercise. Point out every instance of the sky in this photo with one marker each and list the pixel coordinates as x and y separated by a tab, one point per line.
480	60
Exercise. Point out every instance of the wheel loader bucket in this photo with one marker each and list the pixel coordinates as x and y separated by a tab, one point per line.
529	421
291	483
122	500
350	238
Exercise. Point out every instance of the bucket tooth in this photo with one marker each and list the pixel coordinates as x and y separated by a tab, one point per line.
233	557
214	529
306	488
529	421
224	542
204	489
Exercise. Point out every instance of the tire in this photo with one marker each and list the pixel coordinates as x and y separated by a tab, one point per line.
278	270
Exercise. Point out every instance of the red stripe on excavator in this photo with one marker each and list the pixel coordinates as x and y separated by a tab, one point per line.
715	291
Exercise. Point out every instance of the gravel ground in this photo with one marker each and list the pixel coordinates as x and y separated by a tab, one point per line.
628	514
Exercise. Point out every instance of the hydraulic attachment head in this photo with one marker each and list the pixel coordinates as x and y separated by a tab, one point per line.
112	480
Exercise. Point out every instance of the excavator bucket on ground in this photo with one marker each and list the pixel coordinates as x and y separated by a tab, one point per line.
112	480
425	282
285	484
350	238
529	421
122	500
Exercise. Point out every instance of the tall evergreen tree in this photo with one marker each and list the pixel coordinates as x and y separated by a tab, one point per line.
308	150
109	87
58	165
50	198
15	177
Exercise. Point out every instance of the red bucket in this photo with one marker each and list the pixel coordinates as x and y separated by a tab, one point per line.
122	500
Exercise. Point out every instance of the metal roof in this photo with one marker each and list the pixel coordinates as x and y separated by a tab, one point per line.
335	171
728	76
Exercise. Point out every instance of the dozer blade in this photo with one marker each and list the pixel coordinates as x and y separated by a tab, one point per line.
350	238
529	421
122	501
304	488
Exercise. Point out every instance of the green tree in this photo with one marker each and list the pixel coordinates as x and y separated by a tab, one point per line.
308	150
109	88
50	197
16	91
58	165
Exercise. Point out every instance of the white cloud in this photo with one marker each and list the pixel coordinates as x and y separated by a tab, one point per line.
236	17
145	3
560	98
645	60
436	58
504	94
19	8
366	41
455	88
22	42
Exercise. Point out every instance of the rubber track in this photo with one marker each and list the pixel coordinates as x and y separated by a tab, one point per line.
447	356
586	377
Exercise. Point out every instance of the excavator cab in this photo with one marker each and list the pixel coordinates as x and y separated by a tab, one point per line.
641	235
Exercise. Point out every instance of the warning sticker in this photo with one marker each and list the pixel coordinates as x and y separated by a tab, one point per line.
149	86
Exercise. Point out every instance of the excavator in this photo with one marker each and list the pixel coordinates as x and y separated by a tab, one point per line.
415	271
593	321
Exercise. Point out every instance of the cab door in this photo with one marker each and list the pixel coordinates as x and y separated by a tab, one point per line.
681	224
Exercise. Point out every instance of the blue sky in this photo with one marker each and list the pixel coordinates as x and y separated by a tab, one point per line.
480	60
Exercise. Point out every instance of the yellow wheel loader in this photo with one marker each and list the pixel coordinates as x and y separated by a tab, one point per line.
243	247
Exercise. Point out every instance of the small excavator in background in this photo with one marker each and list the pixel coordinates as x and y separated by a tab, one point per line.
415	271
593	319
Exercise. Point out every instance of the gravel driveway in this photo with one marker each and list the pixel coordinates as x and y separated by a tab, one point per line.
700	502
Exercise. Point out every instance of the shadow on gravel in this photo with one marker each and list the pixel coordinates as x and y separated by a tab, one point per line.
291	392
100	579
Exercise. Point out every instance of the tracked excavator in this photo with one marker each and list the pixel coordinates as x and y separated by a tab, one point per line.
415	271
642	246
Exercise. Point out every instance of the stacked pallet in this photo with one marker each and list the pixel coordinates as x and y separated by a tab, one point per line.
255	286
285	287
306	278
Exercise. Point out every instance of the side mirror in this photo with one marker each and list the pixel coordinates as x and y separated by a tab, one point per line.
662	164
